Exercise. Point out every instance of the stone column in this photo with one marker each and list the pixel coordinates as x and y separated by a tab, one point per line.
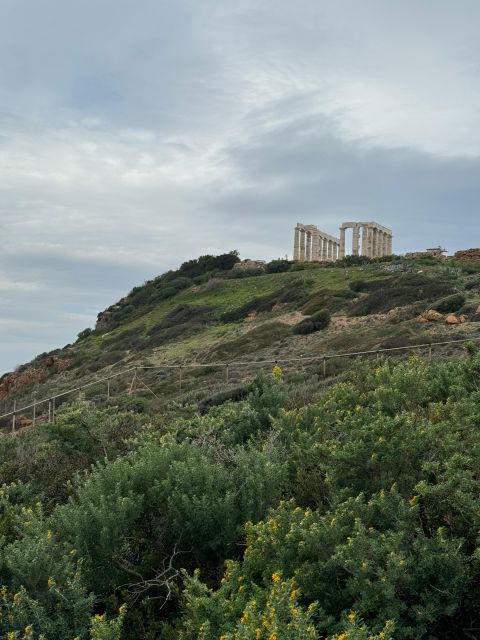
364	240
315	247
356	241
296	244
329	250
322	249
341	253
385	244
302	245
368	231
389	244
374	242
379	243
308	250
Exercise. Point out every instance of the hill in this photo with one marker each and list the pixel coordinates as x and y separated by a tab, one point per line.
286	505
206	313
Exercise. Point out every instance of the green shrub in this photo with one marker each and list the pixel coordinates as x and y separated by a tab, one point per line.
278	266
328	299
85	333
450	303
293	291
168	292
400	291
318	321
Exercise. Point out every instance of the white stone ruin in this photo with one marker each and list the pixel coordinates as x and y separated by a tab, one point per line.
369	239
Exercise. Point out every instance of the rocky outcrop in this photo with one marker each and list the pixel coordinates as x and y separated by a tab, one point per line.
468	254
14	382
432	316
250	265
104	317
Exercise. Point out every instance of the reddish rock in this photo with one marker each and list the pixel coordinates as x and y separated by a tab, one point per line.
432	316
452	319
468	254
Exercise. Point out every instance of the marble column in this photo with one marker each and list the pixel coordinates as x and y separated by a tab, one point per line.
356	241
364	240
296	244
389	245
315	246
308	249
374	242
302	245
368	231
329	250
341	253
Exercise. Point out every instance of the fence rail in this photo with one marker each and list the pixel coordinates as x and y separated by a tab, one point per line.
322	358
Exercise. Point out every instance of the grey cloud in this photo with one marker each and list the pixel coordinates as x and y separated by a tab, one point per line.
135	136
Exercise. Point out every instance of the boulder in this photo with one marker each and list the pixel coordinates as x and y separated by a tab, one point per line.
463	318
452	319
432	316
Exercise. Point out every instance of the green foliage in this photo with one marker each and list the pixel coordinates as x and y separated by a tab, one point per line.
318	321
85	333
343	512
278	266
450	303
258	338
333	300
293	291
399	291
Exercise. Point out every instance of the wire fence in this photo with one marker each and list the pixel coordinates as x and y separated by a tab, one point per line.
44	409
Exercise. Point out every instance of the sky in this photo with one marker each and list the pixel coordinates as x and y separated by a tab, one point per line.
135	135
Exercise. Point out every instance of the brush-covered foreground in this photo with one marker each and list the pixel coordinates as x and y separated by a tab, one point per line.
299	512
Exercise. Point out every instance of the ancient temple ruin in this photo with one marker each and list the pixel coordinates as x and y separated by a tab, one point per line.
369	239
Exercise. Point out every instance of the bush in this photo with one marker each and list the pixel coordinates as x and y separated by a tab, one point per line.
449	304
400	291
168	292
85	333
318	321
278	266
180	283
294	291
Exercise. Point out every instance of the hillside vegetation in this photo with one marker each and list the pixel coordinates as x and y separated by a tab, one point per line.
354	515
205	313
284	505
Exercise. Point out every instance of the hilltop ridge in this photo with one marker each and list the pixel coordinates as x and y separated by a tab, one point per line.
209	311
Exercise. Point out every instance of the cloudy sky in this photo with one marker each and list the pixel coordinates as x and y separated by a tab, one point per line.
137	134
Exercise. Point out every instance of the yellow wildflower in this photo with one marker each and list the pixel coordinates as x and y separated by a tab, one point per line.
258	633
50	582
49	535
413	500
11	635
351	617
16	597
276	577
294	594
123	609
28	628
100	618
